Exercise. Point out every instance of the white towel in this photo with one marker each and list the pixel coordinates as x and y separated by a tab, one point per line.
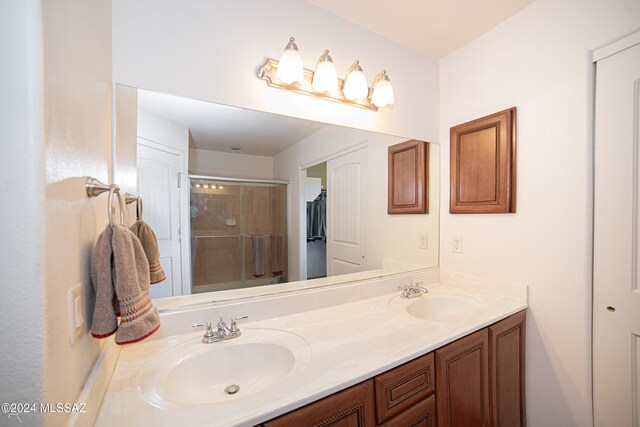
257	255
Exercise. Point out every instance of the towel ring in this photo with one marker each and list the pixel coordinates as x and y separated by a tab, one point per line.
139	208
114	189
130	198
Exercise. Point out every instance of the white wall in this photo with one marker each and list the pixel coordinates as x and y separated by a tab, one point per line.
218	163
393	236
540	61
210	50
22	306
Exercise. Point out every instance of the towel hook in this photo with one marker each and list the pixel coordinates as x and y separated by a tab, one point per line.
115	190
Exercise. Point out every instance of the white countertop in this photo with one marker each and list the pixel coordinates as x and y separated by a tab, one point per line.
349	343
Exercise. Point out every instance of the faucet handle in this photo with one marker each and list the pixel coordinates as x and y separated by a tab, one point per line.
208	331
234	327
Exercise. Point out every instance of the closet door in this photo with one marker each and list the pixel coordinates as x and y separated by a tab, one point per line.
346	213
616	297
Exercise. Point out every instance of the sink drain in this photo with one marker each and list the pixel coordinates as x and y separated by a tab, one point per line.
232	389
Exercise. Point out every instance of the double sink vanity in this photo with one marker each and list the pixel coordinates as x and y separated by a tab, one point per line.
356	354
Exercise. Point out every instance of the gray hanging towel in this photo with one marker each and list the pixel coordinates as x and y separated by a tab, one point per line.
120	276
257	256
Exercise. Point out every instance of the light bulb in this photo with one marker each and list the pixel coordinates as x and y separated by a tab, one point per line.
290	68
205	186
355	84
382	91
198	185
325	77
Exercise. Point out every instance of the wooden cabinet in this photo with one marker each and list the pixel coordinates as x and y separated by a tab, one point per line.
421	414
401	388
462	373
506	371
477	380
408	171
353	407
483	165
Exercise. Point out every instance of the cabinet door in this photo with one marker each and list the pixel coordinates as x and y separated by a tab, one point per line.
353	407
462	388
506	345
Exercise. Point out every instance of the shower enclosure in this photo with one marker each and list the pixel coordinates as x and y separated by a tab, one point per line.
238	233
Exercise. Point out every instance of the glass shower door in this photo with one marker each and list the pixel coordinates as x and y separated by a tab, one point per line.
238	235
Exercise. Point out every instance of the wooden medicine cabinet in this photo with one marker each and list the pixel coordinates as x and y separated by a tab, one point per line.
408	171
483	165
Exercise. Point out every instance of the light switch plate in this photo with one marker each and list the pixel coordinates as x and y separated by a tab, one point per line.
423	241
76	313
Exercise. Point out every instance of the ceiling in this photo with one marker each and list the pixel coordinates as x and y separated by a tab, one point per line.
433	27
219	128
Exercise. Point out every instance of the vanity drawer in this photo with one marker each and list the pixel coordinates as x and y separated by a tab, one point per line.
353	407
422	414
403	387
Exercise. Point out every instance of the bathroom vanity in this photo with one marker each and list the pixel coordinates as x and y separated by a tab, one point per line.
355	354
475	379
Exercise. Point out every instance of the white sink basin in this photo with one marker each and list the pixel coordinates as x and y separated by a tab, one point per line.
195	374
441	308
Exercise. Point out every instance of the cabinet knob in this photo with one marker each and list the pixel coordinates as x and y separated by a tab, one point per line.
611	308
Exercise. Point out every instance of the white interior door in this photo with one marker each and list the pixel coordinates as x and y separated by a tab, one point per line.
158	185
347	213
616	304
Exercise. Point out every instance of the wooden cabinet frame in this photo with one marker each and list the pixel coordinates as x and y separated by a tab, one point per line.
483	165
408	184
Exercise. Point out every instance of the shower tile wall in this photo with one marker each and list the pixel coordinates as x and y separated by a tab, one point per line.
219	219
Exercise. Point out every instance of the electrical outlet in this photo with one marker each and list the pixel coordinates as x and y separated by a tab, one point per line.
456	244
76	313
423	241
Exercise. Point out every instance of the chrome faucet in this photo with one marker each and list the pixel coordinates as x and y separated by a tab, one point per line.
223	332
412	290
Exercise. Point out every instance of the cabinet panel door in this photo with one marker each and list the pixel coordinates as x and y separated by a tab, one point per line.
353	407
462	387
422	414
408	172
506	344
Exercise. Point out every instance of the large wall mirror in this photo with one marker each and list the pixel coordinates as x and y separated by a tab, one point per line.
246	203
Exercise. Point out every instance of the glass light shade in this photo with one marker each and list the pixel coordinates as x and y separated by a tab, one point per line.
325	77
290	69
355	85
382	91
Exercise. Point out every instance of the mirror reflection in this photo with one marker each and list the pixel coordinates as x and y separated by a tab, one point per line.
248	203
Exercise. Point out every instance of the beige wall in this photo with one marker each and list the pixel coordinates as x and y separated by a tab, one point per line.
217	163
77	98
540	61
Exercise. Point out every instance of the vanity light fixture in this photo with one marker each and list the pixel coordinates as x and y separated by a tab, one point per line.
355	83
324	83
382	90
290	68
325	77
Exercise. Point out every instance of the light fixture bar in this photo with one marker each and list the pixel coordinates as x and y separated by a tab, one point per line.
268	72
